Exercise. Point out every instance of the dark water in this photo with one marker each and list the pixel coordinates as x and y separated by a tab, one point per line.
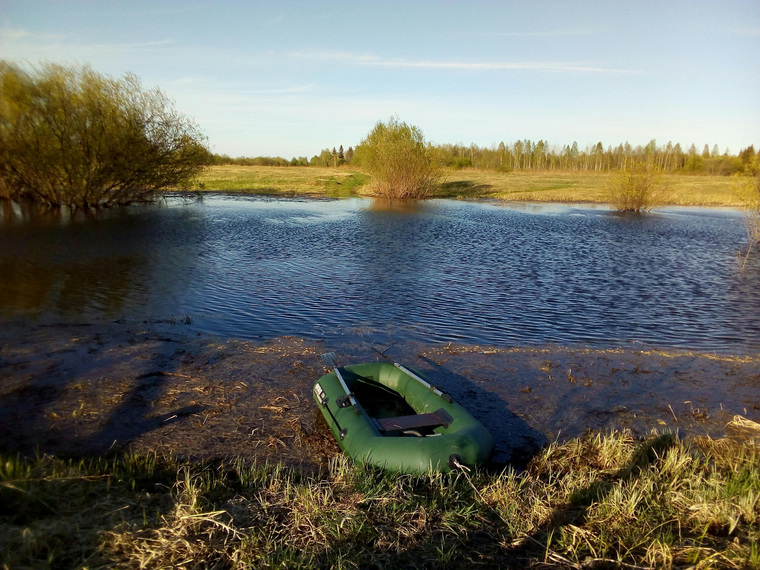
441	271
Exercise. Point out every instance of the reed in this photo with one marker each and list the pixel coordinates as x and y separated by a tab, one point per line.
601	501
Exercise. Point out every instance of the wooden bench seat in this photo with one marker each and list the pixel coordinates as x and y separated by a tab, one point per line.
416	421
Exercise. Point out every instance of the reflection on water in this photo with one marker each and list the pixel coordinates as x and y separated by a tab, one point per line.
432	271
397	205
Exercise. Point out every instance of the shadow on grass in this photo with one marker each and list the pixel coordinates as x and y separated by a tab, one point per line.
345	187
365	516
575	512
135	416
40	415
462	189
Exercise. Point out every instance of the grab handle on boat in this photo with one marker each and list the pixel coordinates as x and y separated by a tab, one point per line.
429	386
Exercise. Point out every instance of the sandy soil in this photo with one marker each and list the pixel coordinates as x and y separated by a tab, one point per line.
76	389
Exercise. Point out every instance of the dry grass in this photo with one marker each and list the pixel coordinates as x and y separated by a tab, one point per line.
602	501
516	186
286	181
678	190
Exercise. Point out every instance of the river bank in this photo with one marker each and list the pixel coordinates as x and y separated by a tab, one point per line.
190	450
88	388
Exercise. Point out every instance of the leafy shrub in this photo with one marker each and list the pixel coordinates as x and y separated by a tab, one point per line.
633	189
461	162
399	161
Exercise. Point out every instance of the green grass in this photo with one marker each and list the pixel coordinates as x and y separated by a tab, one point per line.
602	500
673	189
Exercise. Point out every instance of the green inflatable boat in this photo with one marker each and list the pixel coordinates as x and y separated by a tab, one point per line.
387	415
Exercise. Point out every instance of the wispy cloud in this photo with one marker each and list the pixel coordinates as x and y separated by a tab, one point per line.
16	34
243	89
131	45
158	10
539	66
557	33
284	90
16	41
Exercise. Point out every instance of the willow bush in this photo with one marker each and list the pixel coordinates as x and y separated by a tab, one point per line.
633	188
70	136
399	161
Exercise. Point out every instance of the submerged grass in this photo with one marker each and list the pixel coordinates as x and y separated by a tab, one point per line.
559	186
602	501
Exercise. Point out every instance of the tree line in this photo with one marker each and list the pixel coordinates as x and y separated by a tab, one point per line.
335	157
526	155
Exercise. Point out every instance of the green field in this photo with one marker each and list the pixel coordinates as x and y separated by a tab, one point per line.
674	189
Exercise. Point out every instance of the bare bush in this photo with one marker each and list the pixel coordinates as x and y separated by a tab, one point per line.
748	191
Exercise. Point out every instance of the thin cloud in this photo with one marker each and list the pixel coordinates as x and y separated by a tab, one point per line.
554	67
155	11
241	89
131	45
21	39
533	34
14	34
539	66
283	90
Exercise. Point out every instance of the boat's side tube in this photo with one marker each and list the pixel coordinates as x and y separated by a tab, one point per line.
425	383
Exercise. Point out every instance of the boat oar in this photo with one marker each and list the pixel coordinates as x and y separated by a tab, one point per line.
329	359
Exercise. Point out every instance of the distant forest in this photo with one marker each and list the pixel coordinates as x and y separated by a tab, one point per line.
525	155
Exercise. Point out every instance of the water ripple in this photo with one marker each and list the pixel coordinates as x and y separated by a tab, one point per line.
444	271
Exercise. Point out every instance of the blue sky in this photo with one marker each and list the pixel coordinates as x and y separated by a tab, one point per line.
290	78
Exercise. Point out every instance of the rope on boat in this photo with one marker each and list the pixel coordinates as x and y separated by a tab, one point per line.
455	462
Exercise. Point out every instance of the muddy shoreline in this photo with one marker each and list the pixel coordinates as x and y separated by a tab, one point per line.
73	389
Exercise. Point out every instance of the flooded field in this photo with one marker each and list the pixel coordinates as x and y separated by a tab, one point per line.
440	271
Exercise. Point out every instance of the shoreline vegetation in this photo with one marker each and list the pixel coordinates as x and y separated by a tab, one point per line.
546	186
602	501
